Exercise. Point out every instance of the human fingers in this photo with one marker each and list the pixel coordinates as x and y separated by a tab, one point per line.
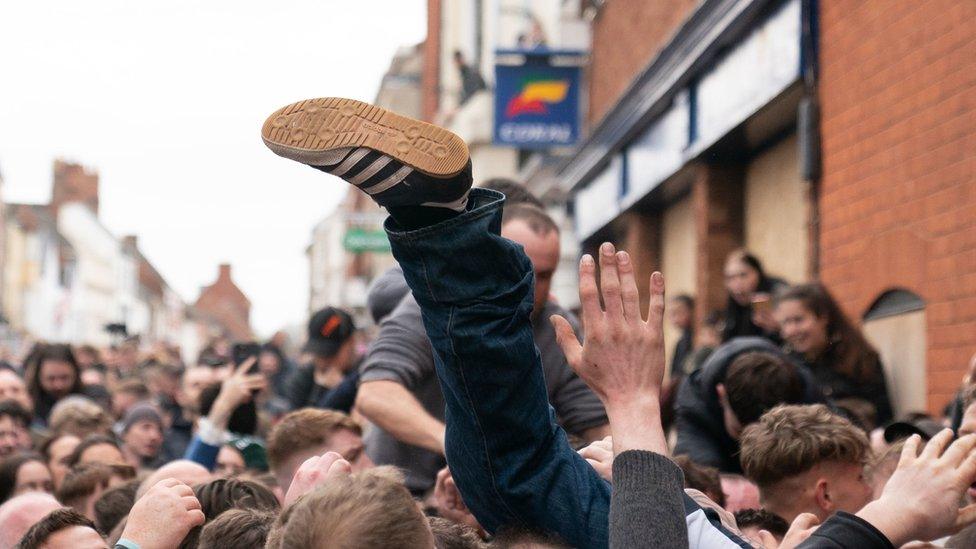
959	450
589	295
937	444
191	503
655	315
629	296
909	452
243	367
610	282
566	338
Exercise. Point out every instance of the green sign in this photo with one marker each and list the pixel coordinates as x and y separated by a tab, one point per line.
363	240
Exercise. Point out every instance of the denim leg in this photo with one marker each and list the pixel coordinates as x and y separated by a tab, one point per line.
511	461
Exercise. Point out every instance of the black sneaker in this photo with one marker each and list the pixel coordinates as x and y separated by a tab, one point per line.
397	160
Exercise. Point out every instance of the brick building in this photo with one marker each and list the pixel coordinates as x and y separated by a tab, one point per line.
226	305
833	139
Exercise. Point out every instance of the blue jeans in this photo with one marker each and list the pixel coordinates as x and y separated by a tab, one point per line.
512	463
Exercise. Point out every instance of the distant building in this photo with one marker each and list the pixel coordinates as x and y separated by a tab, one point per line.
224	303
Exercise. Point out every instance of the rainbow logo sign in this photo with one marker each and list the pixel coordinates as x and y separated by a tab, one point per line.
536	106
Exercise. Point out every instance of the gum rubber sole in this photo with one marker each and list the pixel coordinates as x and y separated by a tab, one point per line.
309	131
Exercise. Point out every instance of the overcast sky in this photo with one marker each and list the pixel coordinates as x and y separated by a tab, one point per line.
166	100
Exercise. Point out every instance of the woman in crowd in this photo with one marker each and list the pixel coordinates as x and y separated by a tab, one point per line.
24	472
52	373
848	369
58	450
750	289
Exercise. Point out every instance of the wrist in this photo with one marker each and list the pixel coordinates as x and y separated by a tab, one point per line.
894	525
635	424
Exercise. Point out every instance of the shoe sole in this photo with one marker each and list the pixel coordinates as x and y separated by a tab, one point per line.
307	131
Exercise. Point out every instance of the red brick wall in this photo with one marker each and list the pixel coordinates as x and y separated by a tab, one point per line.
626	36
226	304
898	200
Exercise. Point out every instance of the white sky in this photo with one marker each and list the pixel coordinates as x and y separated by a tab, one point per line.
166	100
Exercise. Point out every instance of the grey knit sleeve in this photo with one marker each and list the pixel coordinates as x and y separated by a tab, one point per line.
646	508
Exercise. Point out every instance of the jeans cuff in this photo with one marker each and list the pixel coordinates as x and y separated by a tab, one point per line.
481	203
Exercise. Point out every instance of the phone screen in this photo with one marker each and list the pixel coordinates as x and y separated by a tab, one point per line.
244	351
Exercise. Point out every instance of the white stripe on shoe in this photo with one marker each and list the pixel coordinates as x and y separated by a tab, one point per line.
397	177
373	168
349	162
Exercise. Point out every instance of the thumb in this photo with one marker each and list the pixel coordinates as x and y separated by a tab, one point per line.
566	338
966	517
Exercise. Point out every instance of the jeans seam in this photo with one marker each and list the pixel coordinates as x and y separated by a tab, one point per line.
481	431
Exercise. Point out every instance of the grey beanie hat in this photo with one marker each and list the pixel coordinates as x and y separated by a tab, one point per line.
385	293
142	411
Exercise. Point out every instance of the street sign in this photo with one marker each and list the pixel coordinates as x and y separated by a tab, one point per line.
365	240
536	103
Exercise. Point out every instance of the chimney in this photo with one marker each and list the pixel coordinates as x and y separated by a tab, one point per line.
130	243
74	183
224	273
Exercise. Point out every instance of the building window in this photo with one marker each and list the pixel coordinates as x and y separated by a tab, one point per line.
895	325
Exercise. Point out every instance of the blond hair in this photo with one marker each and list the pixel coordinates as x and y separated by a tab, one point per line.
364	510
790	440
304	429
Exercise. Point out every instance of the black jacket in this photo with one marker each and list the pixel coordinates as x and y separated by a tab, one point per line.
842	531
304	392
699	420
838	386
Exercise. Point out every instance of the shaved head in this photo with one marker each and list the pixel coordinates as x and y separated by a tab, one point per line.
18	514
188	472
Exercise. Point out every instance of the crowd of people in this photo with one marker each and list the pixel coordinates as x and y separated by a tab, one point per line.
478	412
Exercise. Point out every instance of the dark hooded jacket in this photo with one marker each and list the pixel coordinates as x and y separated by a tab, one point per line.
699	419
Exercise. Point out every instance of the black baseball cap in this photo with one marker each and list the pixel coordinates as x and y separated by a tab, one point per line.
923	427
328	329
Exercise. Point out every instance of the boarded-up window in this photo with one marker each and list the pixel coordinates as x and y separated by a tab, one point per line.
895	325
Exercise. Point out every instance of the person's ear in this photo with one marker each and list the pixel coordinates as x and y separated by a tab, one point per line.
821	492
723	397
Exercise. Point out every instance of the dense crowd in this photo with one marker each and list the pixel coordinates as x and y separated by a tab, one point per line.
478	411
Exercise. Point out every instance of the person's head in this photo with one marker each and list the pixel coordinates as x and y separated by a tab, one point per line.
743	275
331	338
313	432
709	333
163	379
807	459
458	58
127	356
751	521
79	416
57	451
87	356
127	394
195	380
755	382
22	473
237	528
515	537
681	311
270	360
53	372
703	478
12	387
810	320
539	236
97	449
63	528
14	428
514	192
452	535
362	510
19	513
188	472
85	483
142	433
225	494
230	462
114	505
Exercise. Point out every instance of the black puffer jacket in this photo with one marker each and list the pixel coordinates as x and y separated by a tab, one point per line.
701	428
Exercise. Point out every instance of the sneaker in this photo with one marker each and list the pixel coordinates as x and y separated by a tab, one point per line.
397	160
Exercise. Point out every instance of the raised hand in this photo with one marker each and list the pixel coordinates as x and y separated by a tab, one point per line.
921	499
622	355
599	454
163	516
237	389
314	471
